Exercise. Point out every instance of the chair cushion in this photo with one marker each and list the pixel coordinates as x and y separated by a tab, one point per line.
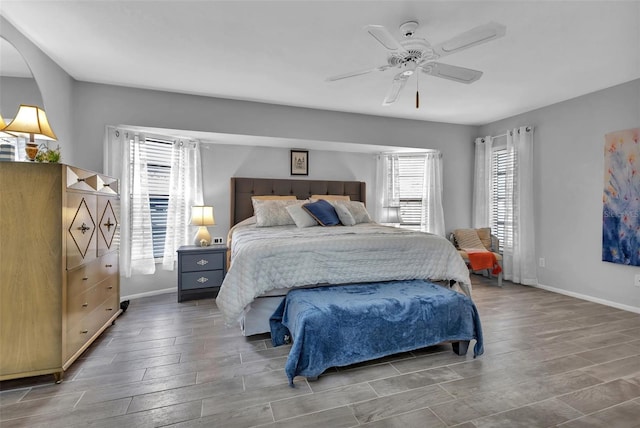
468	238
484	233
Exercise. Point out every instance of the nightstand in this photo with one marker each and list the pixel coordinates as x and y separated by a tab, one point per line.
201	271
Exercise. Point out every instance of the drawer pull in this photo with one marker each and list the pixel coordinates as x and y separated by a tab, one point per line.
84	305
84	228
80	179
85	278
84	332
110	287
202	280
202	262
108	224
109	309
108	266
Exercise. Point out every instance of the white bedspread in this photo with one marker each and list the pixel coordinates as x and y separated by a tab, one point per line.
266	258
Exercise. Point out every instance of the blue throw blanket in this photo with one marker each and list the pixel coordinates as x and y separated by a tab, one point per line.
342	325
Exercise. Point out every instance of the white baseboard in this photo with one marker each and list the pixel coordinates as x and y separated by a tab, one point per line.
149	293
589	298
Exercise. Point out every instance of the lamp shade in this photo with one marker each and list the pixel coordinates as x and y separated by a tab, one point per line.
3	125
31	122
391	215
202	216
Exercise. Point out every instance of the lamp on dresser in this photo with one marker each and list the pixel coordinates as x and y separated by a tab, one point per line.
31	121
202	216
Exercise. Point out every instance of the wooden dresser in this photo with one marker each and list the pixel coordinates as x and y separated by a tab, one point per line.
59	277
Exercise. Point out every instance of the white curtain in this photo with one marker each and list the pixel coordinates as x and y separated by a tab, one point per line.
185	190
519	262
432	218
387	180
482	183
136	241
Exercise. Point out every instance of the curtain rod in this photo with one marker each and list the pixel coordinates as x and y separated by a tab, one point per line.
528	129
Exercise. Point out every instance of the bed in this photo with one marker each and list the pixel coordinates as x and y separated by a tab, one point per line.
266	262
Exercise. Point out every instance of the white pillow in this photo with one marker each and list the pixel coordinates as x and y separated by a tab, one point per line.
344	215
273	212
357	210
300	216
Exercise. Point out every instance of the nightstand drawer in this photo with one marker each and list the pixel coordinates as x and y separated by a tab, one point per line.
203	261
205	279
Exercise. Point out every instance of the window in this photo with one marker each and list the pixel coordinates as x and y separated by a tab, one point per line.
501	226
159	173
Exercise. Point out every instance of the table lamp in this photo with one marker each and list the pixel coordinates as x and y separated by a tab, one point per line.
202	216
31	121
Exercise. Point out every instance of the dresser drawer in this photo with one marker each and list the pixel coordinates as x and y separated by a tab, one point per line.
201	262
81	331
86	276
205	279
79	305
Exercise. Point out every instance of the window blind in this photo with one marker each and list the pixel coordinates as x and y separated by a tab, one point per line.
411	177
502	163
158	176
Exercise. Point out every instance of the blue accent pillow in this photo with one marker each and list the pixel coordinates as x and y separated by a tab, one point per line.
323	212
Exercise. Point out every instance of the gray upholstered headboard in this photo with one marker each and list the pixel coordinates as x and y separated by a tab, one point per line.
242	189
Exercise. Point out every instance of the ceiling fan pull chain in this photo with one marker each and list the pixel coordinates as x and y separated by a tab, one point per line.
417	90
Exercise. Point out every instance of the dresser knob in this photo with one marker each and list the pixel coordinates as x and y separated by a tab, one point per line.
202	262
110	287
202	280
84	305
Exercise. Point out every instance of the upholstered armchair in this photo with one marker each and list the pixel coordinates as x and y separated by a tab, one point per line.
477	241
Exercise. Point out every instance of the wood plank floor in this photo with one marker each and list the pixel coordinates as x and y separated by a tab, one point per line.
550	360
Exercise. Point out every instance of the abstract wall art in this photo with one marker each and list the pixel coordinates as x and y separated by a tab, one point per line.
621	198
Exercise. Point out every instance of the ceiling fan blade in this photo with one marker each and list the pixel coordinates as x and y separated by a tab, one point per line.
475	36
396	86
451	72
356	73
382	35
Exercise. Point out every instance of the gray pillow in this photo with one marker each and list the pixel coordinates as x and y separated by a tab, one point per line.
273	212
357	210
300	216
344	215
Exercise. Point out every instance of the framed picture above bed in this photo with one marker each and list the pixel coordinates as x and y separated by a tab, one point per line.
299	162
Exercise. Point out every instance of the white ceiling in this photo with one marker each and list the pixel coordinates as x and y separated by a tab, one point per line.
282	51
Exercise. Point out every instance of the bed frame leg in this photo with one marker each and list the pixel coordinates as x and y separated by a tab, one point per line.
460	348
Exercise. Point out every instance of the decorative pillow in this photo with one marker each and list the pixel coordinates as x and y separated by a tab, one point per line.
300	216
273	198
468	239
315	198
484	233
357	210
323	212
273	212
344	215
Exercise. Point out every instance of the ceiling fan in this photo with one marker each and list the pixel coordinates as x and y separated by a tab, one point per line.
414	54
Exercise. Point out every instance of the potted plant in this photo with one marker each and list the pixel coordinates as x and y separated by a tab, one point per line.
46	154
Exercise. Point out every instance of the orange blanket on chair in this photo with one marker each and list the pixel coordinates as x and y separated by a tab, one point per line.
483	259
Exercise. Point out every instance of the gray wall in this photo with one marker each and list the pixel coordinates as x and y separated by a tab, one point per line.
569	176
15	91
